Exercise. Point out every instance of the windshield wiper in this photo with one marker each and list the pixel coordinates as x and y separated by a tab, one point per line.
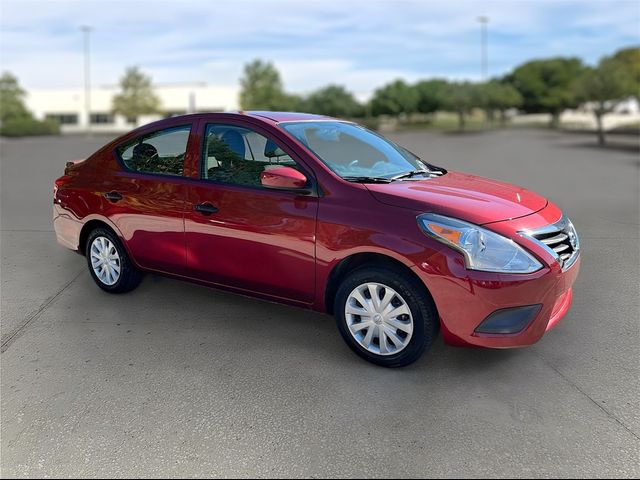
368	179
365	179
411	174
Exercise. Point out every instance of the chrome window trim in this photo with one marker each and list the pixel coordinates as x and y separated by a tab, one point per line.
563	225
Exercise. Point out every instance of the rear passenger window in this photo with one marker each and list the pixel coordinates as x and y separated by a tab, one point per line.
239	155
161	152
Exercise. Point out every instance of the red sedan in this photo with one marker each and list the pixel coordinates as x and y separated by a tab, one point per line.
324	214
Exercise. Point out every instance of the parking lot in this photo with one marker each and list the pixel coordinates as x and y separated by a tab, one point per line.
180	380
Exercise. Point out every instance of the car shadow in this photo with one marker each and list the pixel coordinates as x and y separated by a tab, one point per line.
265	328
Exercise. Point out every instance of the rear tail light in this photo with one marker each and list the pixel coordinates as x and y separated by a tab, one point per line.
59	183
71	169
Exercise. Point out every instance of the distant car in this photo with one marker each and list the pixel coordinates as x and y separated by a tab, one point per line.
321	213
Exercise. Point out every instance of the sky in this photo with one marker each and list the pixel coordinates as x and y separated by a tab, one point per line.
360	44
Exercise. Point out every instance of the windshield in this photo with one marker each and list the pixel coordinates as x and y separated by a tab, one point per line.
354	152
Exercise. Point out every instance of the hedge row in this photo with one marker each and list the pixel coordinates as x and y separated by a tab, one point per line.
21	127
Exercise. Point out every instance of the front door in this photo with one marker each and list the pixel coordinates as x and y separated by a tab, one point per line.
243	235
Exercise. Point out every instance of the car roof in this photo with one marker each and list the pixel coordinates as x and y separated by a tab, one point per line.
286	116
273	117
264	116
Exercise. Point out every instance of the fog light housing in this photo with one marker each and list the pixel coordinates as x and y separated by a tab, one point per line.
509	320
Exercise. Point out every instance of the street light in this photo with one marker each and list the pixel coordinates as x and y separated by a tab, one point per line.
86	30
483	46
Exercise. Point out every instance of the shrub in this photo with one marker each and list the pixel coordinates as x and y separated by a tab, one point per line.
372	123
24	126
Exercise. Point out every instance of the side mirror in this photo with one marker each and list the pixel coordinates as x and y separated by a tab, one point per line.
283	178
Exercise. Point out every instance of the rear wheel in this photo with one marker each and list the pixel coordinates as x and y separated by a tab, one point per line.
385	316
109	263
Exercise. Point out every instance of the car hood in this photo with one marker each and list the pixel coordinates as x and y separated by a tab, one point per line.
467	197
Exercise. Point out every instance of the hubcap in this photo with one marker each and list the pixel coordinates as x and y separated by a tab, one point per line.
379	319
105	260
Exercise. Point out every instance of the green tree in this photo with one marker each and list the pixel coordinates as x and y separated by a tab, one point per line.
547	85
11	99
335	101
394	98
137	96
430	95
292	103
15	119
604	87
261	89
495	96
629	60
461	98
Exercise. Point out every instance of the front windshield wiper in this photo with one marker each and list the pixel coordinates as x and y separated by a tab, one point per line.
433	170
410	174
368	179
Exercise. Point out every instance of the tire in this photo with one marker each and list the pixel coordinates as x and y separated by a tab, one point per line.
127	278
419	325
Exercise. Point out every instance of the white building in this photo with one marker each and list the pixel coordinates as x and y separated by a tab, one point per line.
625	114
67	105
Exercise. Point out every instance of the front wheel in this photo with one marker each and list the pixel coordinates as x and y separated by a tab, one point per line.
385	316
109	263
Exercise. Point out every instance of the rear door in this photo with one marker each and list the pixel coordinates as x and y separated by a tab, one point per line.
243	235
146	197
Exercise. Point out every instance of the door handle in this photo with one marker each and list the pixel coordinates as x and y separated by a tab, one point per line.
113	196
205	208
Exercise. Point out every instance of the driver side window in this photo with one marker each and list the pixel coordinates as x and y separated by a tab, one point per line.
160	153
237	155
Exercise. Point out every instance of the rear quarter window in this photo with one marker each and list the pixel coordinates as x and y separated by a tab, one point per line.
160	152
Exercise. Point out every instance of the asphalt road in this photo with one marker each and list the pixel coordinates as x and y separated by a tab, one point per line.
180	380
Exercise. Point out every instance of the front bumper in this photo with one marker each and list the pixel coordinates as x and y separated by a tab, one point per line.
465	298
464	302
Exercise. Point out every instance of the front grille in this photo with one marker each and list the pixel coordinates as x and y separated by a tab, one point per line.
561	240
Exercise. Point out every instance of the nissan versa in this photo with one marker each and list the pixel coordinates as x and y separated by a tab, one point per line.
321	213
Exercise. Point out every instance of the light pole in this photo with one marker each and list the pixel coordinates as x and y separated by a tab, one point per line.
483	47
86	30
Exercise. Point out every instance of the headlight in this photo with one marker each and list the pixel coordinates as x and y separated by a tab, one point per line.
482	249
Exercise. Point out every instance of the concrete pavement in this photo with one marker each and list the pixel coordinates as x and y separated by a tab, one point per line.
180	380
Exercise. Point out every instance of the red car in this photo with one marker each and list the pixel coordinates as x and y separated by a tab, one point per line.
321	213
